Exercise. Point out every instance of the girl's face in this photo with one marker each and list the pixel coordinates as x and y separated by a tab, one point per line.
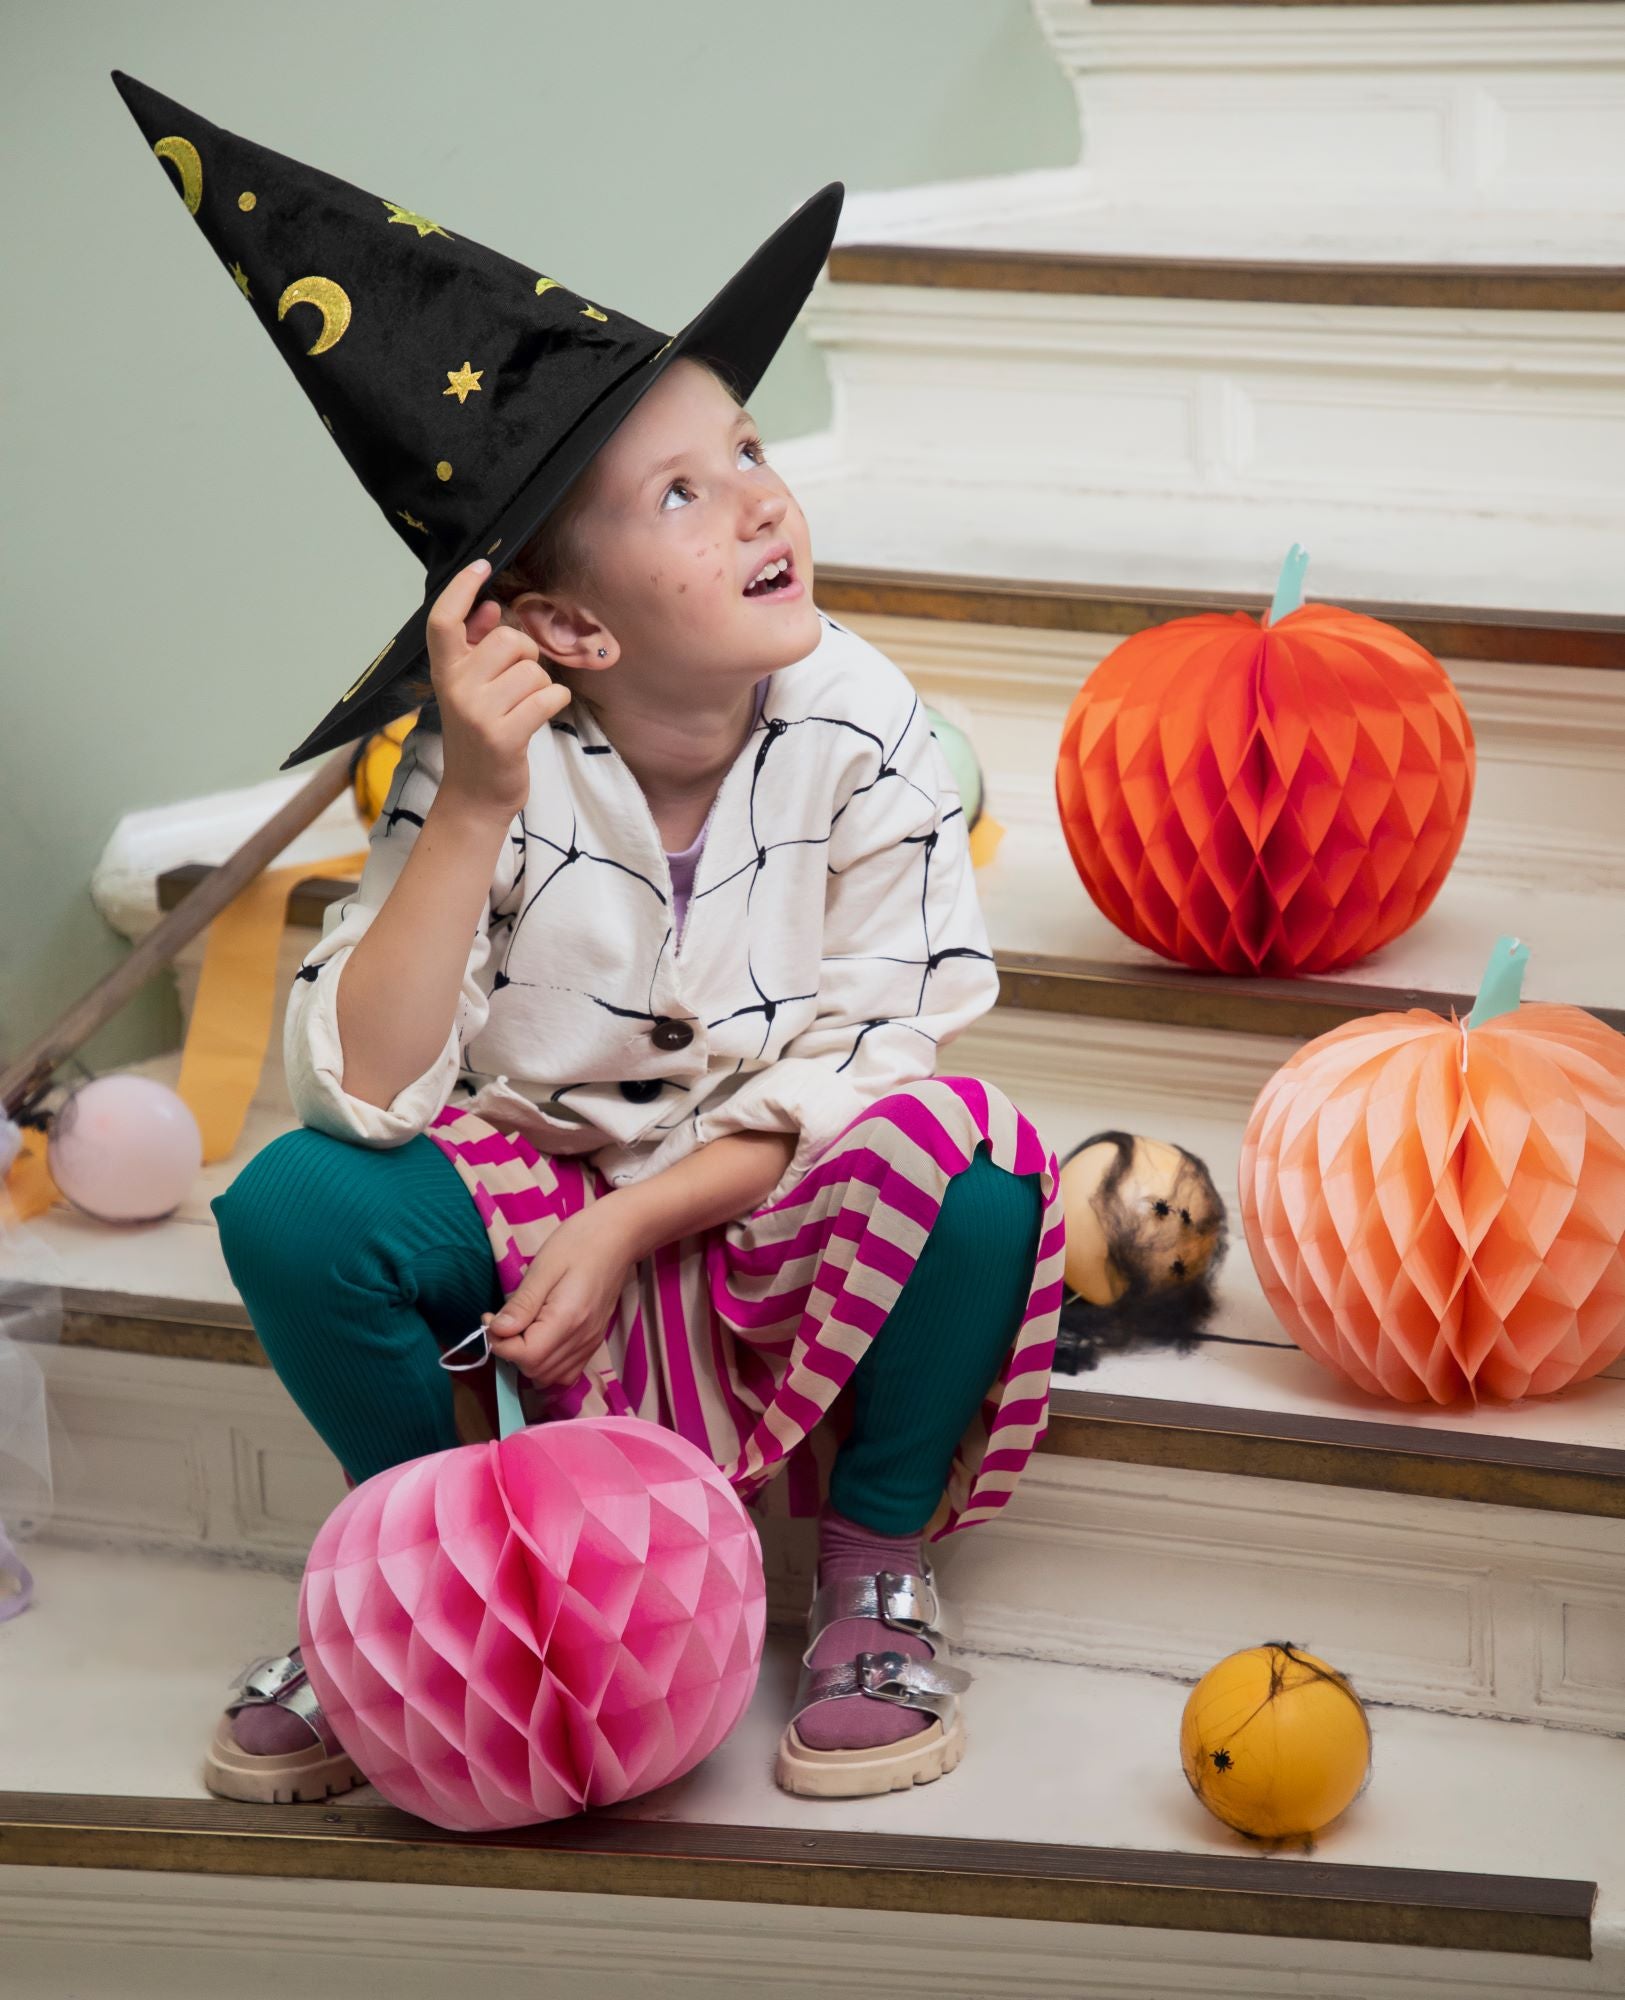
682	515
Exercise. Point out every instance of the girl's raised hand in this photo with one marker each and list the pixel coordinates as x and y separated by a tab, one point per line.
493	693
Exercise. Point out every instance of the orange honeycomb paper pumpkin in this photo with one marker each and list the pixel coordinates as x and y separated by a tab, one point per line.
1436	1209
1269	798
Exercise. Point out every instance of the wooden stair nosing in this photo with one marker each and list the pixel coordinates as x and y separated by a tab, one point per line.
1549	1475
1559	288
132	1325
1462	632
1494	1470
1039	983
604	1853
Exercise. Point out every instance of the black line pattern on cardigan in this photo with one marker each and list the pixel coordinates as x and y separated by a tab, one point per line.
572	853
777	728
932	958
519	900
388	821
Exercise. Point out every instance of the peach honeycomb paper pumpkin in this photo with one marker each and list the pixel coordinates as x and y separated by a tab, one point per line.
1266	800
1436	1208
514	1631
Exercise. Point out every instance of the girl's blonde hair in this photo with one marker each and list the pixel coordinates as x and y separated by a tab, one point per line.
553	560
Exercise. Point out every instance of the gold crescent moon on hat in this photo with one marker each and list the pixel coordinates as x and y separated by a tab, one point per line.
332	301
183	157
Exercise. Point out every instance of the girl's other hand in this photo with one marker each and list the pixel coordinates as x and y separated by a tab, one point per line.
561	1306
494	694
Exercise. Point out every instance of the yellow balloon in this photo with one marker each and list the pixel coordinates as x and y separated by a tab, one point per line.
1275	1742
374	767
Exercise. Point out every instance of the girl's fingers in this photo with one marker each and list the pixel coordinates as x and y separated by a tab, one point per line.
451	608
485	617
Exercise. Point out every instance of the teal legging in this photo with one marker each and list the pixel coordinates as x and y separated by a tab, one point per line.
359	1264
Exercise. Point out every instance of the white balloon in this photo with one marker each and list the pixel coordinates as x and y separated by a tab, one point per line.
124	1148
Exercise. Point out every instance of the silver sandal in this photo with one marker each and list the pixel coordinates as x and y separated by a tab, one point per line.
909	1603
318	1771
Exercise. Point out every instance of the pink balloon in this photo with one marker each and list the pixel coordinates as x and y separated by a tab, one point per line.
512	1632
124	1149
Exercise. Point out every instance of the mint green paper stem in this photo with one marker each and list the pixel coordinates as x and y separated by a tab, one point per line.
1289	589
510	1417
1500	991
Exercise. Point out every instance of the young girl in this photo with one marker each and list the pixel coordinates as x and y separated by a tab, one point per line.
625	1048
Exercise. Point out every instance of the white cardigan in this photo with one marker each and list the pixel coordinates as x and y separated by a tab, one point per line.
833	940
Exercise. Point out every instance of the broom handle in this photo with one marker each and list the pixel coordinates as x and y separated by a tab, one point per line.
32	1070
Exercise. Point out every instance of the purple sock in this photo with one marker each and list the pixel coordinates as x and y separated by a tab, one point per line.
269	1731
859	1721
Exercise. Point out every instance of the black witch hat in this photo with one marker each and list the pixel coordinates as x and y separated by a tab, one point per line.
465	391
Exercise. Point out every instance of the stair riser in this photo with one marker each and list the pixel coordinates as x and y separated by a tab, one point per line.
1415	107
1466	425
1466	1609
169	1453
1550	741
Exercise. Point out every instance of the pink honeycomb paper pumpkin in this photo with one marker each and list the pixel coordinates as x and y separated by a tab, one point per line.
513	1632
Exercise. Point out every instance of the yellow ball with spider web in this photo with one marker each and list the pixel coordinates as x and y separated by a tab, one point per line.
1275	1742
372	765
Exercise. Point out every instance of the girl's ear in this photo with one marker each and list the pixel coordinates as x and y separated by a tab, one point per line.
567	630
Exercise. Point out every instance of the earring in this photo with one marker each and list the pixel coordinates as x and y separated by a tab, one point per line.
600	652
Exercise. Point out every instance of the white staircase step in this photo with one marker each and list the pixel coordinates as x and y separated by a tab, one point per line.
1165	362
977	519
1036	907
1079	214
1068	1808
1494	110
1430	455
1466	1561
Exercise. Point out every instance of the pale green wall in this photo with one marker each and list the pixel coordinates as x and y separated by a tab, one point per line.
192	574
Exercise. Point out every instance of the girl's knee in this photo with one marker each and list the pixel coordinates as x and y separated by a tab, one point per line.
288	1199
986	1209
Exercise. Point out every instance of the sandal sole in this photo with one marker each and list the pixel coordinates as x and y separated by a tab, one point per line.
884	1767
298	1777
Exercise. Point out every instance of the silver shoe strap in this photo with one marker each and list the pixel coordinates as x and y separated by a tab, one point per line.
899	1598
281	1680
922	1684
